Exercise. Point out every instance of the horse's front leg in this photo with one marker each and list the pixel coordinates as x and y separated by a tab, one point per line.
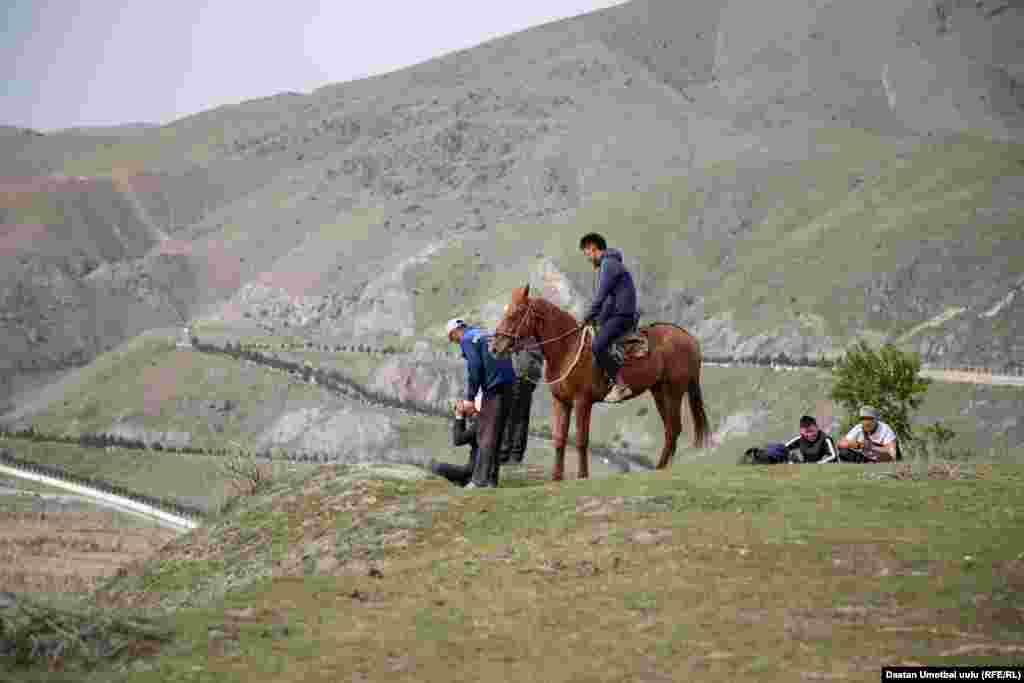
561	417
583	410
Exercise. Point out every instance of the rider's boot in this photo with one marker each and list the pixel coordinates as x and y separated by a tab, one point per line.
620	392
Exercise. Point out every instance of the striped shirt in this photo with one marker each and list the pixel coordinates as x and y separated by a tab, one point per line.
827	451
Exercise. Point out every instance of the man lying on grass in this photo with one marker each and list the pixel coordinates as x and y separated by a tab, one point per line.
811	444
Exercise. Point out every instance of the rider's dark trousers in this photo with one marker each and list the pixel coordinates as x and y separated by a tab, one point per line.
517	427
608	331
494	412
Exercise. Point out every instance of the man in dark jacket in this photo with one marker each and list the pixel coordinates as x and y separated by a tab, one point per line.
496	377
812	444
528	365
464	432
614	308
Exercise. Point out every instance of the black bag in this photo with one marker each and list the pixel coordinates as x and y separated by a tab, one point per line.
771	455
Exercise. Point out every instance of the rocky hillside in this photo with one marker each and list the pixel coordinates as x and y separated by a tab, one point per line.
783	178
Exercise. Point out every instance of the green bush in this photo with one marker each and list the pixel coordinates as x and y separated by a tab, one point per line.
887	379
933	443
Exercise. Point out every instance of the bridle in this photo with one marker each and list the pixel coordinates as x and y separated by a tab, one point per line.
515	337
530	313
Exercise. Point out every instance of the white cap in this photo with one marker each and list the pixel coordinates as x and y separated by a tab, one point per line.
454	324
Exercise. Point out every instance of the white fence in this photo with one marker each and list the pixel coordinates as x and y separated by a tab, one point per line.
181	524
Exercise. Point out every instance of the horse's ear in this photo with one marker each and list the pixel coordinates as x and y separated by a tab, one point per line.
526	290
508	307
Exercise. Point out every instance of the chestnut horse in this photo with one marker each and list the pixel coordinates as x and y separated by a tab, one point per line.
671	370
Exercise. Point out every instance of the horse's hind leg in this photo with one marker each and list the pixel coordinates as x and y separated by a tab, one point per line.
670	407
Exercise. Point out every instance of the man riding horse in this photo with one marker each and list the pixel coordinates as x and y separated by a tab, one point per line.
614	309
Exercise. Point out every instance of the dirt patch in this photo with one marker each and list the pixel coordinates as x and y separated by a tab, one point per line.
592	506
862	560
649	536
68	552
601	507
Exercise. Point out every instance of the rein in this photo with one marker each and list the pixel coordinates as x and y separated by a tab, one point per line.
579	352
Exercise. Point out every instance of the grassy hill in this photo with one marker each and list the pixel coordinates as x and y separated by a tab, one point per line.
379	573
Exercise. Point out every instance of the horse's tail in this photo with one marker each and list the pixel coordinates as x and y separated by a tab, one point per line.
700	418
701	430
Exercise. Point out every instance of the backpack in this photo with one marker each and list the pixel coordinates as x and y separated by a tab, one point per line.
773	454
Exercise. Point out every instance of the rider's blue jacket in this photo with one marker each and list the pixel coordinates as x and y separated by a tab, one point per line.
616	294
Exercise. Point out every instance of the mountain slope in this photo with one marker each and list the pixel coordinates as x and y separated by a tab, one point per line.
748	127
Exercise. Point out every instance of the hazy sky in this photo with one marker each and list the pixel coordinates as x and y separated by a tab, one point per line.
96	62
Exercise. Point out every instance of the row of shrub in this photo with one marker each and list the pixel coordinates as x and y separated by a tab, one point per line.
312	346
165	504
768	361
115	441
779	359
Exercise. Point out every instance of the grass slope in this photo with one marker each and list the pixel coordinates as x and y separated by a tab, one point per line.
705	571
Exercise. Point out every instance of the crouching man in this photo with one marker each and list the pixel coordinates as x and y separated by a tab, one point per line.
464	433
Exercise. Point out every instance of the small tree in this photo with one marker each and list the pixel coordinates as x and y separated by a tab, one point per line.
887	379
933	440
247	476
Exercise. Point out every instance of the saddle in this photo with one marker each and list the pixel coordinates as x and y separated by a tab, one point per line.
631	346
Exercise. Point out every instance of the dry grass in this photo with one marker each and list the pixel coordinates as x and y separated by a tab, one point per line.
918	470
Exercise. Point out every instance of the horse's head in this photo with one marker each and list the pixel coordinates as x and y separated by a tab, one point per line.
519	321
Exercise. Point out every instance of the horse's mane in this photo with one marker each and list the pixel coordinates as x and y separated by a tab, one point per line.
545	307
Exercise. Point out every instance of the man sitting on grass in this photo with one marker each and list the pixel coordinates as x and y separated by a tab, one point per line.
870	441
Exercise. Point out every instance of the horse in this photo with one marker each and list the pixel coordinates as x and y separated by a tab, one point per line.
670	370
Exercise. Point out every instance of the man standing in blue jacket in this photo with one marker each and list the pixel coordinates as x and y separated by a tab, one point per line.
497	378
614	308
